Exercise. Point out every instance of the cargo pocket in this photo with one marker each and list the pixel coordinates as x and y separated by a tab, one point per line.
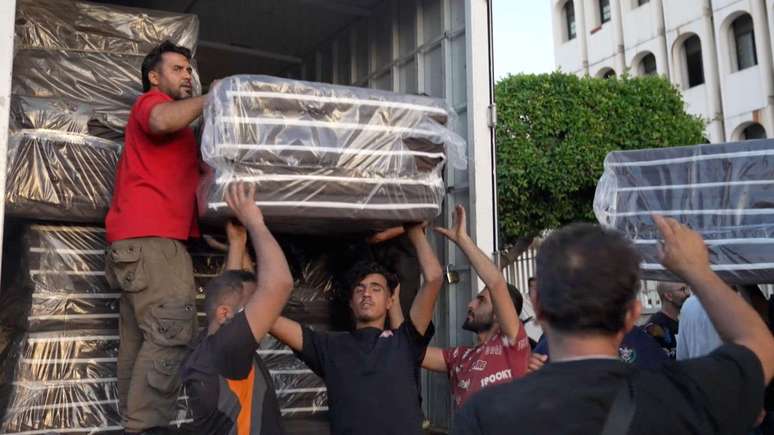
173	324
165	376
126	270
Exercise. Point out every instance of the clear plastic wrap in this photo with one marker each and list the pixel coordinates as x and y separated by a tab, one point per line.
58	175
91	27
326	152
724	191
77	71
59	320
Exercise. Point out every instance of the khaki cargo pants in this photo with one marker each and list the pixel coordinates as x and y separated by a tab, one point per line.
157	323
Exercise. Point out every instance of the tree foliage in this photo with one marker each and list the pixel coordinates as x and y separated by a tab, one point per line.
554	131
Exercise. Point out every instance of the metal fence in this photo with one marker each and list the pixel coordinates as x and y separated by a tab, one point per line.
520	271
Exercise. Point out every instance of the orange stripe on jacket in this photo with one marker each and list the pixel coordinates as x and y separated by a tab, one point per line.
243	389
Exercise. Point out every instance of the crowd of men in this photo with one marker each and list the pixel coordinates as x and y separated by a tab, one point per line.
584	296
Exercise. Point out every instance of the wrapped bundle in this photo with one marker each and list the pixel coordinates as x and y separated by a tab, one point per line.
59	175
723	191
59	364
327	153
77	72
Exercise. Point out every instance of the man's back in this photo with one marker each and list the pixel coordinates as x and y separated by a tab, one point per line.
719	394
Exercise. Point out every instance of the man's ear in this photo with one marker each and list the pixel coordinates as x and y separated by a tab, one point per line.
632	314
154	77
222	313
535	299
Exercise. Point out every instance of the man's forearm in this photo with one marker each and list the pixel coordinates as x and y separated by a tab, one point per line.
733	318
495	282
175	115
421	312
271	265
484	267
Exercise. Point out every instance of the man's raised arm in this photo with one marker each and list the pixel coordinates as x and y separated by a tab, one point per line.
487	271
274	281
684	253
421	312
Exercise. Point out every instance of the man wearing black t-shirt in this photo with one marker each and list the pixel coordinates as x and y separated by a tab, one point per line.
370	372
588	279
663	326
229	387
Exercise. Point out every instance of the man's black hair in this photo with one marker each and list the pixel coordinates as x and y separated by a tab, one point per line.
587	278
364	268
227	284
530	280
516	297
153	59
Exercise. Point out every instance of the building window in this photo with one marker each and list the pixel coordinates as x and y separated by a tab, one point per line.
642	2
569	19
648	65
754	131
604	11
694	63
744	40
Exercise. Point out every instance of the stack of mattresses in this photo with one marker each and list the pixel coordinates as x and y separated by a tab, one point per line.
723	191
324	155
76	75
59	370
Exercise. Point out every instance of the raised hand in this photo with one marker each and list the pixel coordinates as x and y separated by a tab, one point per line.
240	197
459	229
683	250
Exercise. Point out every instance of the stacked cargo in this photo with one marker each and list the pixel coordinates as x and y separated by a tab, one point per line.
60	371
723	191
324	155
76	74
324	159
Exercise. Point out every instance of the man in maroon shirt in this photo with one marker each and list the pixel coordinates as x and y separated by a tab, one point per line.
152	214
502	350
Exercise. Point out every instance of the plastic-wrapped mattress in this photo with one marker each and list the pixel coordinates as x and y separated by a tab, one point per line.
77	71
60	175
724	191
327	153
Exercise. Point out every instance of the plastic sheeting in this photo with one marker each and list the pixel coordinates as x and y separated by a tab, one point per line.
77	71
723	191
62	176
328	153
59	320
59	332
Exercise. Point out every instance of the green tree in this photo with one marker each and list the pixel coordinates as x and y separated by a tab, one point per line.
553	133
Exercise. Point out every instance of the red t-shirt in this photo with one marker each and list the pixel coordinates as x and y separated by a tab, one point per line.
496	361
156	180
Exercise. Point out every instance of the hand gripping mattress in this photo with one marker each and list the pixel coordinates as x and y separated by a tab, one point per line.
723	191
321	153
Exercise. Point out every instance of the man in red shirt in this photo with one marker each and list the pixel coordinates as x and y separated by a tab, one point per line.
503	350
152	214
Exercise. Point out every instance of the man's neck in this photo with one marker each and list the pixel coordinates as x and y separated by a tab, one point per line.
670	311
568	347
484	336
378	324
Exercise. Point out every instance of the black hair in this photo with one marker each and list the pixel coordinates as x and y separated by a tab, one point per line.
364	268
227	284
530	280
516	297
153	59
587	278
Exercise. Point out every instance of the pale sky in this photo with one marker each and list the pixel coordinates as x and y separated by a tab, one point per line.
522	37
